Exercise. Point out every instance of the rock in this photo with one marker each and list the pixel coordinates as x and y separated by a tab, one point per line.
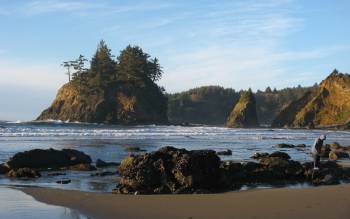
258	155
23	173
105	173
326	106
169	170
228	152
325	150
333	155
4	169
101	163
50	158
282	168
280	154
132	101
301	145
134	149
244	113
63	181
329	173
82	167
285	145
56	174
335	146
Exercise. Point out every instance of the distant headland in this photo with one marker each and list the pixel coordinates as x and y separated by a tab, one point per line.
124	91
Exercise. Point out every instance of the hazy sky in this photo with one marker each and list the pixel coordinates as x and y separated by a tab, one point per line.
238	43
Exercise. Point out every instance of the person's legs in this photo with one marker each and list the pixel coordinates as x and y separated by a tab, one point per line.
316	161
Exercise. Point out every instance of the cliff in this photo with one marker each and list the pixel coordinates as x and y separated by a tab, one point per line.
117	104
244	113
328	106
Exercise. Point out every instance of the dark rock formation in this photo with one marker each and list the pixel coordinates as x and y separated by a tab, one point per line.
50	158
276	154
133	149
327	107
100	163
283	145
170	170
227	152
63	181
243	114
82	167
4	169
23	173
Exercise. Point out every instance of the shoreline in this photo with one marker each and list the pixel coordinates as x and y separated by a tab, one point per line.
286	203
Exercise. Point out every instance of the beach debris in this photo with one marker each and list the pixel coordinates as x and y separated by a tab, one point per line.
227	152
23	173
100	163
64	181
47	158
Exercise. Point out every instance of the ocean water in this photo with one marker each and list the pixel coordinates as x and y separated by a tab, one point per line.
108	142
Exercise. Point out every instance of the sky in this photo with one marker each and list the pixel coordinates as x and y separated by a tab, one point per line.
239	44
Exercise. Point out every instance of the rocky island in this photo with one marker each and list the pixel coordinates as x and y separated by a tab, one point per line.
121	91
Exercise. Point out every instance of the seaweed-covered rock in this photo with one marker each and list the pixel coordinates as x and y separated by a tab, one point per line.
170	170
283	145
50	158
23	173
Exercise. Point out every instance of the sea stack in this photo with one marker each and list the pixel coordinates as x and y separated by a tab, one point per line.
121	91
244	113
329	106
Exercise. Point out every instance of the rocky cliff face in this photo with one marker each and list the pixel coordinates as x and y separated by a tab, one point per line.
244	113
120	103
326	107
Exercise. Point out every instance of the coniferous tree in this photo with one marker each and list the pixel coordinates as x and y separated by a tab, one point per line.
102	69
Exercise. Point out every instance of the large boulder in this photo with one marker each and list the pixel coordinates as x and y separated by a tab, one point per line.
50	158
244	113
330	173
170	170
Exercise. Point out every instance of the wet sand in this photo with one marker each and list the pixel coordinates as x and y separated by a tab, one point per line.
285	203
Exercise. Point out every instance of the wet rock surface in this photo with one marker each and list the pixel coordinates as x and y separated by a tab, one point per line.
100	163
50	158
227	152
170	170
23	173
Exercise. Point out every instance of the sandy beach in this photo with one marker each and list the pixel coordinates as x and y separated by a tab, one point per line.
321	202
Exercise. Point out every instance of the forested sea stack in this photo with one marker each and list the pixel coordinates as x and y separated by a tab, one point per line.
244	113
326	107
121	91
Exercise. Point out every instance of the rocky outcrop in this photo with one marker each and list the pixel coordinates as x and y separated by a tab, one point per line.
119	103
23	173
100	163
50	158
329	106
169	170
243	114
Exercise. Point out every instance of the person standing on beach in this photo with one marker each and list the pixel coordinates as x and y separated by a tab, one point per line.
316	151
